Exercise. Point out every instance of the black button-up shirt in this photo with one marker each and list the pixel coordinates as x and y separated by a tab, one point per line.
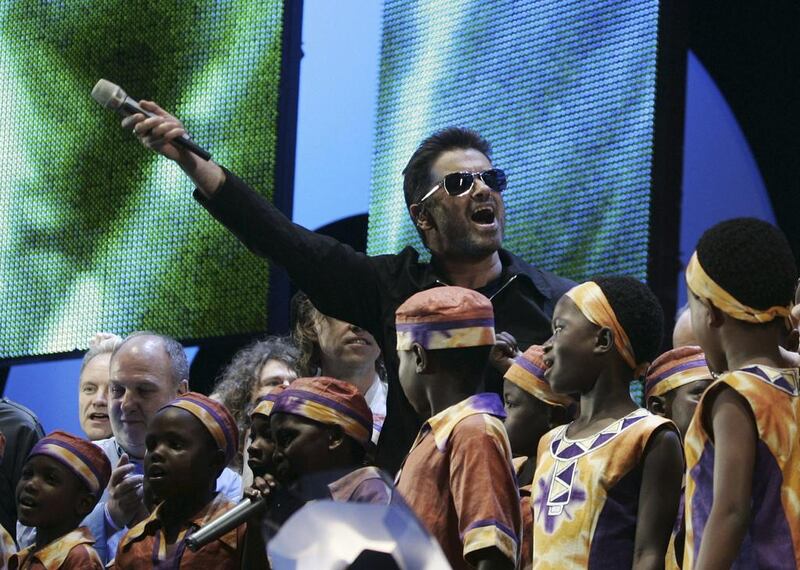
366	290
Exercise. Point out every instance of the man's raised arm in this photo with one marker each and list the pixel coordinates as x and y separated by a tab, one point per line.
341	282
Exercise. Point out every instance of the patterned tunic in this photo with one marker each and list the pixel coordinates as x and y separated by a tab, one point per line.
459	480
772	539
586	494
526	509
144	546
7	546
73	551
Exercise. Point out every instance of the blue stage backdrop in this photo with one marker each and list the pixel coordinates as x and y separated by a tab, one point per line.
565	91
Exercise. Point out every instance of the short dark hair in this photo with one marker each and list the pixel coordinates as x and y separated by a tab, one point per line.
178	362
751	259
417	173
638	312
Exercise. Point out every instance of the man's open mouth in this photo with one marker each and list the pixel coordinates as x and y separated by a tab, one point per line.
483	216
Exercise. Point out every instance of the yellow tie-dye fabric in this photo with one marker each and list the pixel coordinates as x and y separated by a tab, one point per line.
585	494
773	537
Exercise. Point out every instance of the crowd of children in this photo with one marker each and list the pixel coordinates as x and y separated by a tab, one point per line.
565	471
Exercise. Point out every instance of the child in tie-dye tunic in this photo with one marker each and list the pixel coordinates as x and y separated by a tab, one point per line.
772	539
743	444
606	487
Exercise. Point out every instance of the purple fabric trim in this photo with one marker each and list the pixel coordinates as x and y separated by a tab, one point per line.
699	363
284	404
768	540
530	367
489	403
38	450
601	439
491	522
703	476
612	543
779	382
445	325
568	452
626	423
230	443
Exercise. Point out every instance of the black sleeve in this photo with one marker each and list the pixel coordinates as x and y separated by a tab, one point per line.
341	282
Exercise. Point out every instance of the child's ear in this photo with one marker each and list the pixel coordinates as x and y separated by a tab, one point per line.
604	341
421	359
335	437
658	406
217	461
84	504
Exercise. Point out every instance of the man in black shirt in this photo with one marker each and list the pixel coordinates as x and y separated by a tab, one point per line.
454	198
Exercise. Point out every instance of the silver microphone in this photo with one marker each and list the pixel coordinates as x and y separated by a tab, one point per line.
112	96
238	515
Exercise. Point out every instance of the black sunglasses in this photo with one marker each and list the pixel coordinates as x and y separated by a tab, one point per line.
459	183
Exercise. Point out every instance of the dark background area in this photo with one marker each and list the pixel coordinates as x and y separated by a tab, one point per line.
751	50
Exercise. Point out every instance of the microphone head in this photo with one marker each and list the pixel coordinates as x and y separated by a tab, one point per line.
108	94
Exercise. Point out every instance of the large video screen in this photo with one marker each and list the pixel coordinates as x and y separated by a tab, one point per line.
99	234
565	92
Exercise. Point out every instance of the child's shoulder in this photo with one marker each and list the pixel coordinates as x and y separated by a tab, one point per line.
760	377
83	557
479	425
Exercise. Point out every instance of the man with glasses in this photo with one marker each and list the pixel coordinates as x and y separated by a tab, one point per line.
454	197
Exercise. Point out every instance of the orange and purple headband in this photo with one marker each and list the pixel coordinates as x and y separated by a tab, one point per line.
675	368
594	305
328	401
265	403
85	459
445	317
215	417
704	287
527	372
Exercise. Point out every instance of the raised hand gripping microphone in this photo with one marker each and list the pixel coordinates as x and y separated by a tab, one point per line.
113	97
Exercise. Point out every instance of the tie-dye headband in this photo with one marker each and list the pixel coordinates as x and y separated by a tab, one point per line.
265	404
594	305
704	287
328	401
82	457
445	317
527	372
675	368
215	417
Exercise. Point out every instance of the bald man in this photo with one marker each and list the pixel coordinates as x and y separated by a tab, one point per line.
147	372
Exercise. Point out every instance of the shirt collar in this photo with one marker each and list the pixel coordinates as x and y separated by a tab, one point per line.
344	487
512	266
152	524
52	556
443	423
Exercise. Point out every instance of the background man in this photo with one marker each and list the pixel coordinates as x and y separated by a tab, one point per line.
147	372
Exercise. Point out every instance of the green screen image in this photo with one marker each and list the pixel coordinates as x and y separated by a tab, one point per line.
99	233
565	92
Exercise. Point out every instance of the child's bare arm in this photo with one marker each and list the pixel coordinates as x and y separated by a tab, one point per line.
659	496
735	440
